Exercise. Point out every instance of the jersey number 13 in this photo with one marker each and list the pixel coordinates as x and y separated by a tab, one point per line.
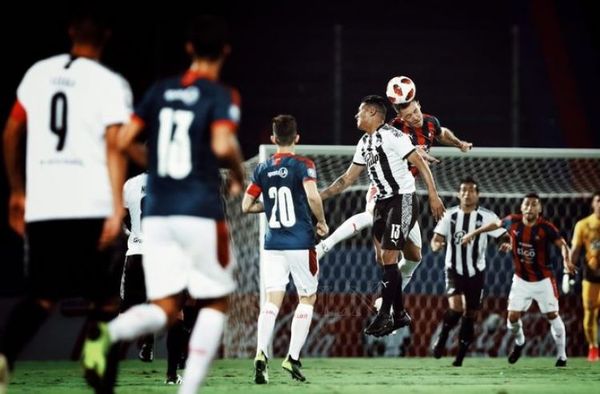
174	147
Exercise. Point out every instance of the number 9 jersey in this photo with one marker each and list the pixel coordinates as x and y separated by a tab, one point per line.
68	102
280	179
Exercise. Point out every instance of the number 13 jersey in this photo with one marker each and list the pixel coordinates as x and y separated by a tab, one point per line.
67	103
280	179
183	172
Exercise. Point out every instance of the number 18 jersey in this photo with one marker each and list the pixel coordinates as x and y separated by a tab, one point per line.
280	180
67	103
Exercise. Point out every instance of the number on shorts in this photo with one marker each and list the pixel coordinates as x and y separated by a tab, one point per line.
283	213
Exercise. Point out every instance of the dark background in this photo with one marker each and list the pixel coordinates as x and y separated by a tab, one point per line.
498	73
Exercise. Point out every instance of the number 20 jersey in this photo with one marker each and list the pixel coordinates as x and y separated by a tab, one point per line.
67	103
183	172
280	180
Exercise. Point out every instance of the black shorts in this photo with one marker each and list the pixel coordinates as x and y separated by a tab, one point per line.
133	284
63	261
470	287
393	219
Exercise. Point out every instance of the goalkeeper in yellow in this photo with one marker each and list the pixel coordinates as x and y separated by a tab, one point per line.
587	234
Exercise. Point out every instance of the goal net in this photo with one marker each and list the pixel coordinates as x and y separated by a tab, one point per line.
349	276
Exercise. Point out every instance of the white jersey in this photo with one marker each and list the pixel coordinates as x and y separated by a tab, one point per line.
384	153
134	192
69	102
468	259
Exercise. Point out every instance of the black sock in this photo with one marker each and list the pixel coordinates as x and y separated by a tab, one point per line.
389	292
175	339
465	335
23	323
451	318
399	300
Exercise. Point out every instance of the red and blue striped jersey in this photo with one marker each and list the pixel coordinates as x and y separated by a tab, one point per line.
531	247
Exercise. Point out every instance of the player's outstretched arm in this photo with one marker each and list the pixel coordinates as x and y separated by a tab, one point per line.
447	137
438	242
483	229
340	184
14	133
316	206
435	202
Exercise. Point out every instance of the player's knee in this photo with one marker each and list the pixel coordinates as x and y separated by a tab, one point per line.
513	317
390	256
412	252
308	299
552	315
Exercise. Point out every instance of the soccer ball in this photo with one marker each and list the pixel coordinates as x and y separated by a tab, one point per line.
401	90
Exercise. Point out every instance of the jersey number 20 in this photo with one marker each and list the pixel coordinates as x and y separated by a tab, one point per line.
283	213
174	148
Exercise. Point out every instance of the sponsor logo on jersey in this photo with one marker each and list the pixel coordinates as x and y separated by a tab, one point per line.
235	113
188	96
458	236
371	158
311	172
282	172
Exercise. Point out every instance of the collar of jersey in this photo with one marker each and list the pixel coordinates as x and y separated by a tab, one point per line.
192	76
282	154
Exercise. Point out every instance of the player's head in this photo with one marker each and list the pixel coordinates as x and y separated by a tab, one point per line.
371	113
531	207
208	38
410	113
89	30
596	203
468	193
285	130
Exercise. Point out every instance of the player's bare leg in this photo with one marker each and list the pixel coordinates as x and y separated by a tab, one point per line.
451	318
557	327
591	305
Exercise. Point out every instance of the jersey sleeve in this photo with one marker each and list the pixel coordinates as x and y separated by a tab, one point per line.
126	192
577	240
493	218
254	189
437	127
552	232
309	170
26	89
117	101
358	157
145	108
443	226
507	221
227	108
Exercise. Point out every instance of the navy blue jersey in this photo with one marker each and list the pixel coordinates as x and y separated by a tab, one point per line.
280	179
183	172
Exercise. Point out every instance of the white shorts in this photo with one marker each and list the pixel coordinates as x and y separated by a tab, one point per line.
522	293
302	264
186	252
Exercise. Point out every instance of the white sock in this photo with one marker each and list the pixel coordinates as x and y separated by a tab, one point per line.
266	322
407	267
139	320
557	327
300	326
204	342
517	330
348	229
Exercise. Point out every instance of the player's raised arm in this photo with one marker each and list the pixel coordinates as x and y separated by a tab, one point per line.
14	133
483	229
340	184
447	137
316	206
435	203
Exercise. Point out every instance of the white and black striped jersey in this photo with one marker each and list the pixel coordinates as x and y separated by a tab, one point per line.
134	192
384	152
468	259
68	102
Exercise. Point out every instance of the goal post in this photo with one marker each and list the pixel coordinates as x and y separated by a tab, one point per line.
349	276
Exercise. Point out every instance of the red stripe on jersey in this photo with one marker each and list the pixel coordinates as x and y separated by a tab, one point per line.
529	271
308	162
431	128
222	243
136	119
191	76
254	190
225	122
313	263
519	270
540	253
18	112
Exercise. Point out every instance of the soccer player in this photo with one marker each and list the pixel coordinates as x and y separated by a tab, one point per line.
385	151
69	205
423	130
464	264
587	234
190	121
289	188
531	235
133	286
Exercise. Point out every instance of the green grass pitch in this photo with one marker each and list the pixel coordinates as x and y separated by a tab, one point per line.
335	375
